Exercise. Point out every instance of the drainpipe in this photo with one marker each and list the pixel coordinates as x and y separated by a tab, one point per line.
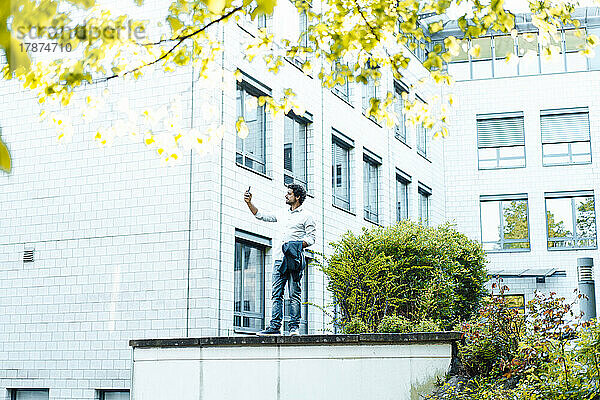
587	302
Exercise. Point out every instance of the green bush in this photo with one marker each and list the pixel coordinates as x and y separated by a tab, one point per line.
355	326
409	270
394	324
426	325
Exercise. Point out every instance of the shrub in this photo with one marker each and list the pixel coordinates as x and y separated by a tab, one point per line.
409	270
394	324
492	337
426	325
355	326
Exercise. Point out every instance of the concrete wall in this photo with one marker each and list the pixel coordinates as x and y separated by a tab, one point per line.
398	367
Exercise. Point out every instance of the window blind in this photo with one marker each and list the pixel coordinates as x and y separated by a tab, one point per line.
563	126
500	130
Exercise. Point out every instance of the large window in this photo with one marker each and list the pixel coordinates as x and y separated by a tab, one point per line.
251	151
295	150
504	223
501	140
400	129
566	136
424	196
571	220
402	182
29	394
249	286
371	165
340	172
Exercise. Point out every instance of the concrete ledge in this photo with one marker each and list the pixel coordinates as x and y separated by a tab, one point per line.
370	338
382	366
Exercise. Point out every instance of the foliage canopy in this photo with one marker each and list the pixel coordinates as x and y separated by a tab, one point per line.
349	40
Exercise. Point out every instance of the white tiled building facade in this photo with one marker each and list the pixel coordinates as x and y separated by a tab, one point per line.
124	248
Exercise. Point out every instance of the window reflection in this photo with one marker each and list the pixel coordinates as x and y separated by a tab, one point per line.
571	222
504	225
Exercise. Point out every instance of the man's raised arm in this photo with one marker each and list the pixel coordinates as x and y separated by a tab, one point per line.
262	216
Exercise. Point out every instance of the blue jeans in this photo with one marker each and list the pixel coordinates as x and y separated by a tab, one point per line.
294	289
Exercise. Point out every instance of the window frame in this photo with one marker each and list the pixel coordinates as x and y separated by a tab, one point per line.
502	240
574	238
344	95
569	154
373	161
247	88
425	193
404	180
241	314
102	392
498	149
337	141
399	88
15	391
291	174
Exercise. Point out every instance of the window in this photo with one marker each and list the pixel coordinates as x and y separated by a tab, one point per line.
369	91
400	129
574	41
303	42
566	136
481	64
371	165
501	140
295	150
303	302
421	140
29	394
249	286
251	152
114	394
504	223
340	173
594	62
420	48
342	86
571	220
402	182
503	46
424	195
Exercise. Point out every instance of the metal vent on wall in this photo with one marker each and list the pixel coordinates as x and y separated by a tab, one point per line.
28	256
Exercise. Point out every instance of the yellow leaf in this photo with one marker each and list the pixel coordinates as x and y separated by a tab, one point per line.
237	75
475	50
5	162
242	128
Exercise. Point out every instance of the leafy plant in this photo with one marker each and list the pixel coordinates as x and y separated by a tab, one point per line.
406	270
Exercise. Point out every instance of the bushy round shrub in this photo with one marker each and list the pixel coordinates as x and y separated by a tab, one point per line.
409	270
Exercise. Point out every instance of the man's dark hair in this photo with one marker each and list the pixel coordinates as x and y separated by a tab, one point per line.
299	192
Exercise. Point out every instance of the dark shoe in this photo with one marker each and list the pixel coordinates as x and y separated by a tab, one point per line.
294	332
269	332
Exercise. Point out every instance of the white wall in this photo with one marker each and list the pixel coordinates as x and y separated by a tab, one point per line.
465	183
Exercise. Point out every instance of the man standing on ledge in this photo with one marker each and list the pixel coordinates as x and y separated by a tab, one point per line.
297	231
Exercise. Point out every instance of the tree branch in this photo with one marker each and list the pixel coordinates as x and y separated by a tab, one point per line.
179	41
